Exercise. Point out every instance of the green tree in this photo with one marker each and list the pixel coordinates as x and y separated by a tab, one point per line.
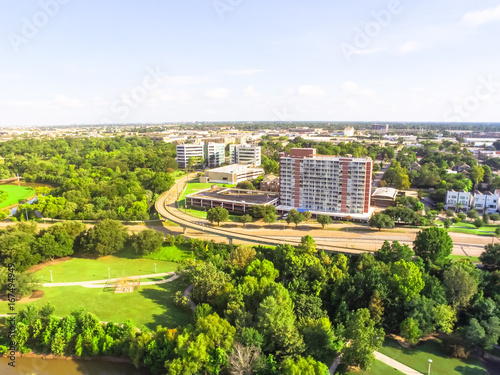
300	365
147	241
295	217
459	285
389	253
270	218
476	174
406	278
433	245
245	219
324	220
410	331
242	256
381	220
363	338
447	223
247	185
217	215
491	256
105	238
307	244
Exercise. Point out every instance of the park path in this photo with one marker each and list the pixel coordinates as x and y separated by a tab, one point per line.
187	294
102	283
395	364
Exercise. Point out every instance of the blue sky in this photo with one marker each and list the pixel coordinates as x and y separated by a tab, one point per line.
94	61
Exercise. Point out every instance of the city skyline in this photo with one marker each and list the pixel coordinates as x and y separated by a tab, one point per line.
70	62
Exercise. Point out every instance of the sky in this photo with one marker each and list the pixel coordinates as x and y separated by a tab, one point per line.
65	62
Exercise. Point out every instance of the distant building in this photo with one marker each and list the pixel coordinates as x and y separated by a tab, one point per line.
186	151
380	127
349	131
461	168
454	199
270	183
213	153
232	174
338	186
245	154
486	202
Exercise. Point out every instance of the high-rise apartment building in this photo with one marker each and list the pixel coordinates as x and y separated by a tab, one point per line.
213	153
325	184
245	154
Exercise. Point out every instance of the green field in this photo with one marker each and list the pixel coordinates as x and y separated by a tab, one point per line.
418	358
150	305
378	368
171	254
78	269
459	257
193	187
16	193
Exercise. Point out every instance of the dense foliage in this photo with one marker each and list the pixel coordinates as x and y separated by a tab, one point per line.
116	178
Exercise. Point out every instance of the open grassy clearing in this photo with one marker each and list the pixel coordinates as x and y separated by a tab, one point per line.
378	368
418	357
150	305
16	193
459	257
193	187
79	269
171	254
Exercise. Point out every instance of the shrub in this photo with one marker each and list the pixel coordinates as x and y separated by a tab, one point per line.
454	346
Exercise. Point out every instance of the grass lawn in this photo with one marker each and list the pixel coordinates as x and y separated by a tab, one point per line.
471	231
178	174
150	305
16	193
418	358
193	187
78	269
171	254
458	257
378	368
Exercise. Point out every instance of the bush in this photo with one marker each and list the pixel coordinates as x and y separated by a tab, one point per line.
455	347
462	216
495	217
181	301
450	213
478	223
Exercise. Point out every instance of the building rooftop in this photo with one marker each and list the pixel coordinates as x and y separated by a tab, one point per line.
233	168
385	192
236	195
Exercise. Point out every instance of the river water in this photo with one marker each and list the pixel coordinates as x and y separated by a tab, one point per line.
38	366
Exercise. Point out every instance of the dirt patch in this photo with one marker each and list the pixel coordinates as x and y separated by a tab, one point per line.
38	267
36	295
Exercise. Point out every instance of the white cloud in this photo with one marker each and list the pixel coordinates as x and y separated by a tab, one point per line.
368	51
220	93
180	96
481	17
64	101
311	90
243	72
251	92
410	46
350	87
185	80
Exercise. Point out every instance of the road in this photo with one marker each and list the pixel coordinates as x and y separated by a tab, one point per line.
343	240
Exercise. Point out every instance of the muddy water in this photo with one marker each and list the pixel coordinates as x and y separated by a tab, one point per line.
38	366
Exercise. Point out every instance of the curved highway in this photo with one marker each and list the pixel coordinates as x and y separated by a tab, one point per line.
165	205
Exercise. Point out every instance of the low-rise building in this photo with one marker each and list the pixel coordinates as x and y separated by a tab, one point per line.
487	202
458	200
270	183
384	197
349	131
232	174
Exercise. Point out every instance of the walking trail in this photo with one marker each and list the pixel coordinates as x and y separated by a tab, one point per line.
103	283
395	364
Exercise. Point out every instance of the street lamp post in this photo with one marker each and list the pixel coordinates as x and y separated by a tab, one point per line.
155	268
430	362
51	280
109	275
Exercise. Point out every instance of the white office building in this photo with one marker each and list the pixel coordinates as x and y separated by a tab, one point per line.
213	153
245	154
458	200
